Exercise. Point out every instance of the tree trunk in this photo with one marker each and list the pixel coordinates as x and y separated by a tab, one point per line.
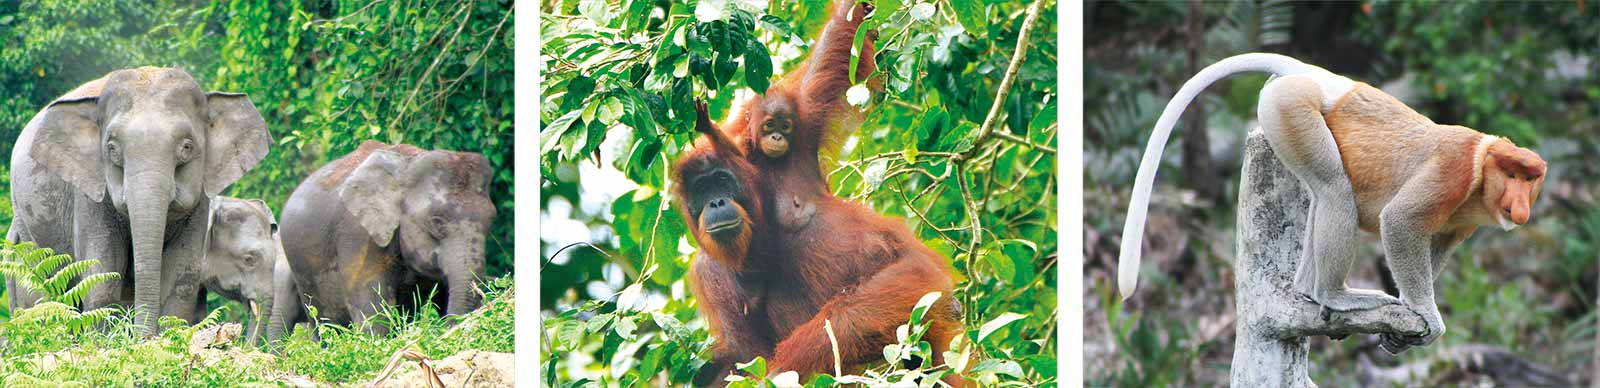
1270	345
1199	171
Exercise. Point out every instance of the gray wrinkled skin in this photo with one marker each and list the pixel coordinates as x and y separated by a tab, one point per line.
243	259
122	169
386	219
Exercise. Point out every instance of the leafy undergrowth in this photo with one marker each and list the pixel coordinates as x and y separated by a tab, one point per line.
39	346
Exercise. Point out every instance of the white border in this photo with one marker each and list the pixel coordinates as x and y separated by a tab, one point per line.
527	76
1069	203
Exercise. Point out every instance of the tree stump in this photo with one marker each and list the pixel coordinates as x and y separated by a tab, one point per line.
1274	320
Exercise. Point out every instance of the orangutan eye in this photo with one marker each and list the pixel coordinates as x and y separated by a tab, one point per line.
1513	176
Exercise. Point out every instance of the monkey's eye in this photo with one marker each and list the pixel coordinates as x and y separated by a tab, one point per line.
1513	176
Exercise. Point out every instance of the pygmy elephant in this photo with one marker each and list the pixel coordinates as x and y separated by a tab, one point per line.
124	167
245	262
385	220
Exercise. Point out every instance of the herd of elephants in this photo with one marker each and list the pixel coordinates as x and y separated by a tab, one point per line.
128	170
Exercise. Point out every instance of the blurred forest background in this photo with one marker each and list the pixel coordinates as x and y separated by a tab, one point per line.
326	75
1523	70
620	81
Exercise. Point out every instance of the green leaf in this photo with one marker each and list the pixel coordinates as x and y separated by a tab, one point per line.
626	325
598	323
971	15
756	367
1018	255
595	10
577	91
997	323
1003	267
920	310
610	110
757	66
821	381
997	366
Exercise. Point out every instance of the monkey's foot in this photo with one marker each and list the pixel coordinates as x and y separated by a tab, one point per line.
1395	343
1352	300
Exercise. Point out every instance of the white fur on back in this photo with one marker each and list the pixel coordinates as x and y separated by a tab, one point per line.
1333	87
1480	151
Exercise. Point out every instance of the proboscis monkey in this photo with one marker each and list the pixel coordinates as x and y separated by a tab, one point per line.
1369	162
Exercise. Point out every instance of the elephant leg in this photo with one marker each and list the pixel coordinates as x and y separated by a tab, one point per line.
98	234
367	302
17	298
181	286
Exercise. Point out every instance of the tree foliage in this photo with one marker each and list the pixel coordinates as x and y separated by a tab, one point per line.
326	75
976	185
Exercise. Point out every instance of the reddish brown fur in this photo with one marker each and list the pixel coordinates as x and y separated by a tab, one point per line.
841	264
343	166
1455	184
1378	135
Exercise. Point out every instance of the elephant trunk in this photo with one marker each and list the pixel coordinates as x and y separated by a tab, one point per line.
147	224
284	297
262	316
463	295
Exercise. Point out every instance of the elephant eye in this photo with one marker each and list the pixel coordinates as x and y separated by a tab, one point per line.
186	150
250	259
436	226
114	153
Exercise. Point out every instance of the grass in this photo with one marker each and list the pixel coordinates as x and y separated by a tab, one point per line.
44	352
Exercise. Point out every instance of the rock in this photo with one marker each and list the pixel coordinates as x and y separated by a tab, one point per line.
470	368
215	336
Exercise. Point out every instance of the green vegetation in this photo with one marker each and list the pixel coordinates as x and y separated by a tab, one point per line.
978	186
52	342
326	75
1523	70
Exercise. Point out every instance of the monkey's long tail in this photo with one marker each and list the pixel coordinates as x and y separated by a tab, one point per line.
1133	230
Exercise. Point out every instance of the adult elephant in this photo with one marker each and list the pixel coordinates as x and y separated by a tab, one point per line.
128	164
387	218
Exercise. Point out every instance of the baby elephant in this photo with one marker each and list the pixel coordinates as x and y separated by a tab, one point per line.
385	220
244	261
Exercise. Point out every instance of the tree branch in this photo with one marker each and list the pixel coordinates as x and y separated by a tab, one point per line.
1017	55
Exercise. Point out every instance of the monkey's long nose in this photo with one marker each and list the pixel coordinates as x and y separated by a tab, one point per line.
1517	214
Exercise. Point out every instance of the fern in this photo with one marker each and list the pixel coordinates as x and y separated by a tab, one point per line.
44	272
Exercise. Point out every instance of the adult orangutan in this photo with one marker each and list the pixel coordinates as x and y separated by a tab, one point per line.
781	257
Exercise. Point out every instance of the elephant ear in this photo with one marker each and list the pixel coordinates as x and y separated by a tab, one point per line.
372	193
67	143
236	141
272	219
